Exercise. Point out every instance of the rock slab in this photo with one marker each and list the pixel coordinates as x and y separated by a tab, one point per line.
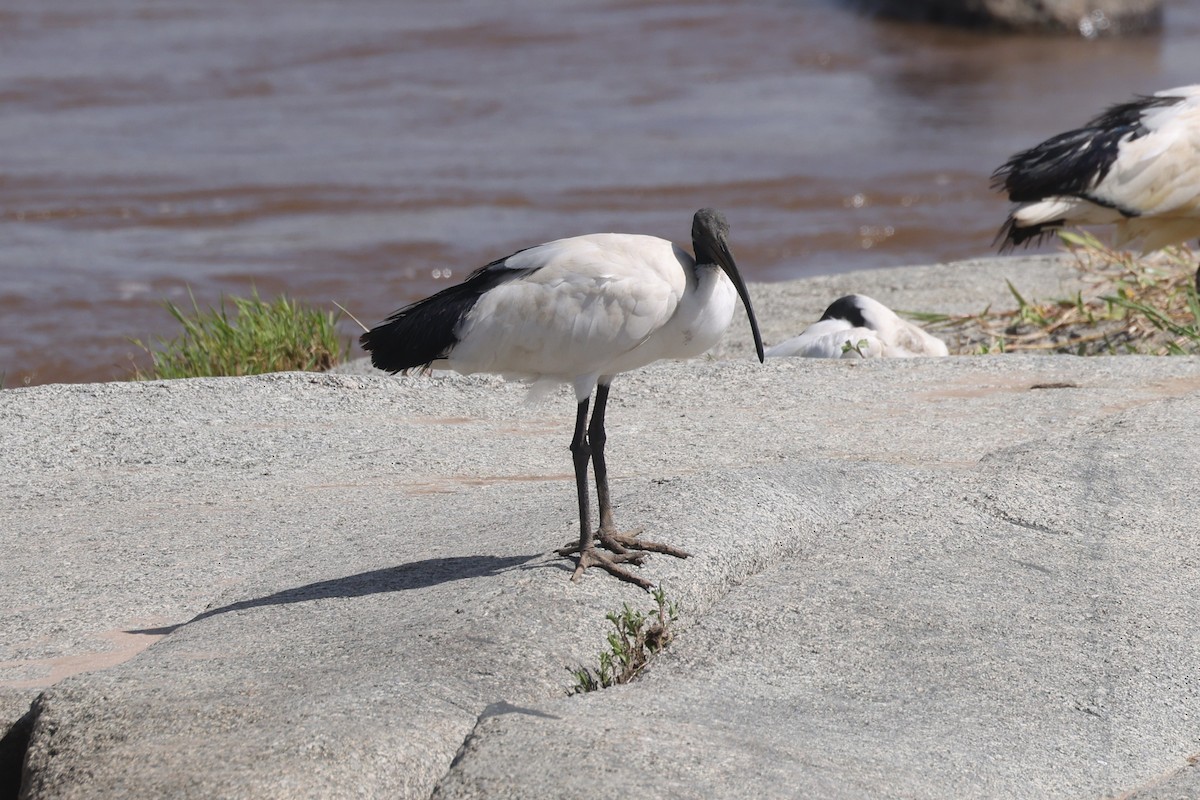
965	577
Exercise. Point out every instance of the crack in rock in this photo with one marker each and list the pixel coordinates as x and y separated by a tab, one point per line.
13	747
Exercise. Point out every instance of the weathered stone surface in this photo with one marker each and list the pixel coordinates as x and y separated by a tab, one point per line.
1014	628
967	577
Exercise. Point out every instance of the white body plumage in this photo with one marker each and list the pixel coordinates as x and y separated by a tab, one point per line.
857	326
591	307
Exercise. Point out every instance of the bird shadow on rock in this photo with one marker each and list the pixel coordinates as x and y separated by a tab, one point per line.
415	575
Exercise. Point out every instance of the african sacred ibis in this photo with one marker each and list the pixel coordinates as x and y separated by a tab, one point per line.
1136	166
859	326
579	311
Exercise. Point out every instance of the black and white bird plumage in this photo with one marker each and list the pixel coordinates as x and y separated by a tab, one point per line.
857	326
1136	166
579	310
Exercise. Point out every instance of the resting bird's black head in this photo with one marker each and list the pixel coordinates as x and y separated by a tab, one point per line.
710	241
850	308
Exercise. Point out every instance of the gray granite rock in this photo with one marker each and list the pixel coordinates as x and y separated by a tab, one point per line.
963	577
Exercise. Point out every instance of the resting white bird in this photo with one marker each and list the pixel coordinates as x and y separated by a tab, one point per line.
1136	166
579	311
856	326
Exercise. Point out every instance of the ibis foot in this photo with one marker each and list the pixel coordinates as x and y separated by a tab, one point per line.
622	553
612	564
624	542
625	548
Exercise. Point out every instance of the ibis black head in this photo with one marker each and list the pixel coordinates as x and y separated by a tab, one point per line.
710	240
849	308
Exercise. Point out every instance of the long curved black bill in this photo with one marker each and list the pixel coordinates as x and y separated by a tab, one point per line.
709	231
730	269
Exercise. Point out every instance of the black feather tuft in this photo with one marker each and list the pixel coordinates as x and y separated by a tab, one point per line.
1010	236
1074	162
421	333
846	308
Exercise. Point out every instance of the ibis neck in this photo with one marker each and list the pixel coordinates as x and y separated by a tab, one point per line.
710	278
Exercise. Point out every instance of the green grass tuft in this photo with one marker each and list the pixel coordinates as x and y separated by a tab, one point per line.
257	337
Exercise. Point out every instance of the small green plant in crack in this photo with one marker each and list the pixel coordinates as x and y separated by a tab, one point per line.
636	638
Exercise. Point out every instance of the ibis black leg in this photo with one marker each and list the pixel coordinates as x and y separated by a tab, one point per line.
625	548
596	438
609	536
581	454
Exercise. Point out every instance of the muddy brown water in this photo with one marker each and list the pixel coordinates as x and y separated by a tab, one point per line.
368	151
